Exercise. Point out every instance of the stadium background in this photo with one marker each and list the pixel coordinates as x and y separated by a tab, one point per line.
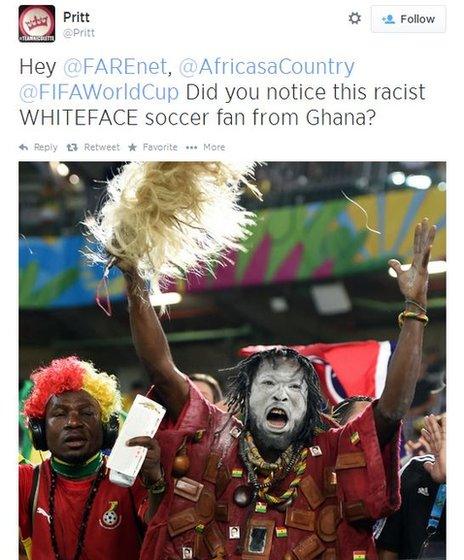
312	271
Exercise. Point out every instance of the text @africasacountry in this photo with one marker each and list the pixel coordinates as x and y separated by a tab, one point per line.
132	92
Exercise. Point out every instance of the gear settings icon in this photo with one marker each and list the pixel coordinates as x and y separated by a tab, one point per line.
354	18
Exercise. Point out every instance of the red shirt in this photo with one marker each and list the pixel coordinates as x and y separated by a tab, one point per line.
348	482
114	530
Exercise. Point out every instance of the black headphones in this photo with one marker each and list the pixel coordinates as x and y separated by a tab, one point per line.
39	440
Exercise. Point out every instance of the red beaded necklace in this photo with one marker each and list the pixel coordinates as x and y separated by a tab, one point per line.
85	516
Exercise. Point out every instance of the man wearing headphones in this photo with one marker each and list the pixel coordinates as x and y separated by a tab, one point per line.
68	508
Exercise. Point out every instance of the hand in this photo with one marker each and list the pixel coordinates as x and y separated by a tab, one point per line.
135	284
413	282
435	435
124	266
151	468
417	448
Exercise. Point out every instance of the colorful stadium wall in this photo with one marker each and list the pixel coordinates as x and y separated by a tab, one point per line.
306	242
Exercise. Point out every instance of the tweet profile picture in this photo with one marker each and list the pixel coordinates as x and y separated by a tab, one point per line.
36	24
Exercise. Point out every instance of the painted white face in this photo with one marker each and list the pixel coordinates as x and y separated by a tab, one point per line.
278	404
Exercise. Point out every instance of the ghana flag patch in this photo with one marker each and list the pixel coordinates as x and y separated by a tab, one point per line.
281	531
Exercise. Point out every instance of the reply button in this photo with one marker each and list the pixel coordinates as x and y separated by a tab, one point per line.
408	19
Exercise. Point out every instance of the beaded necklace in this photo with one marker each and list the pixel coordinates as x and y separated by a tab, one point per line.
255	458
291	459
85	516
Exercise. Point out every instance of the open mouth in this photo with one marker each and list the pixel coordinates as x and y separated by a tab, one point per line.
277	418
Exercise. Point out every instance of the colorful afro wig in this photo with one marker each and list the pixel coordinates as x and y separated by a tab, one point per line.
72	374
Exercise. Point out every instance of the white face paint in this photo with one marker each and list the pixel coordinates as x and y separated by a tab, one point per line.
278	404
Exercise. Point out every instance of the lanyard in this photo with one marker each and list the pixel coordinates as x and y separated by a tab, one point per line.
437	509
434	518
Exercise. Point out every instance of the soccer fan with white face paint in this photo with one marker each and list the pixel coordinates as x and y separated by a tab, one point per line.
277	404
295	487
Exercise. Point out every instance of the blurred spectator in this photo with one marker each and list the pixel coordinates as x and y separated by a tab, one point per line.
207	386
426	397
137	387
418	528
419	446
349	408
430	384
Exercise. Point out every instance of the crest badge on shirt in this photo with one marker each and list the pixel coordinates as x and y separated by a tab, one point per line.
110	518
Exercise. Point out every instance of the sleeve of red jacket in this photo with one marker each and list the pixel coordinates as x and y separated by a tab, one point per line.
367	476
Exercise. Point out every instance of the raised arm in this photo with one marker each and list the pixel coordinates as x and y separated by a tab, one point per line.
404	367
152	347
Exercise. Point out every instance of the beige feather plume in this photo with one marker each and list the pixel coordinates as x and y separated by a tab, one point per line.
170	218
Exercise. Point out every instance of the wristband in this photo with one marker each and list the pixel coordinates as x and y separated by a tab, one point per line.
422	317
412	302
157	487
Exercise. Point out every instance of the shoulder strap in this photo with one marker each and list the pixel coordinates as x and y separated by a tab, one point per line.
33	496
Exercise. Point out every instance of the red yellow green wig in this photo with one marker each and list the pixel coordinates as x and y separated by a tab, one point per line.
72	374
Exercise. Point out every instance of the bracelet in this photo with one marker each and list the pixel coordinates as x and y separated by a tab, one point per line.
422	317
412	302
157	487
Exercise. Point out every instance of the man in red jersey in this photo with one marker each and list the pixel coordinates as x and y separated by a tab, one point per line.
284	485
68	508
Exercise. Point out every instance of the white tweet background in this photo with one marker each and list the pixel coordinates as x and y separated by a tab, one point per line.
431	130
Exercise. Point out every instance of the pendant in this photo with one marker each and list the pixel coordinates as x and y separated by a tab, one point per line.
180	466
243	496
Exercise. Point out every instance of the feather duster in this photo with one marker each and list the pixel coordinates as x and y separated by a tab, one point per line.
170	218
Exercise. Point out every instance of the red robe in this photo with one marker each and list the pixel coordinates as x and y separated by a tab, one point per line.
348	482
114	530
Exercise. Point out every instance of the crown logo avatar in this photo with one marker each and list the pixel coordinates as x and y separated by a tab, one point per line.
37	22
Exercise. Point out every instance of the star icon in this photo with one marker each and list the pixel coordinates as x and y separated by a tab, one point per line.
132	147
